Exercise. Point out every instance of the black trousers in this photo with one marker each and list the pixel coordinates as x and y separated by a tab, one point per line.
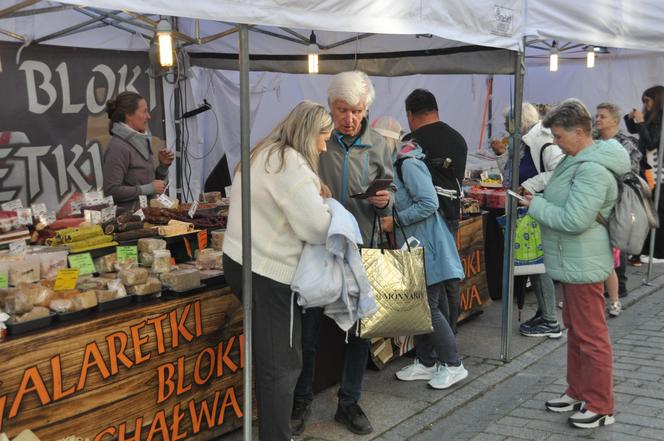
277	363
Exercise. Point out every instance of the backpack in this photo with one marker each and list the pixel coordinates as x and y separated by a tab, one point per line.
444	182
632	216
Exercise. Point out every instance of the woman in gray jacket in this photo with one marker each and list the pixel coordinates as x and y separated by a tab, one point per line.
128	165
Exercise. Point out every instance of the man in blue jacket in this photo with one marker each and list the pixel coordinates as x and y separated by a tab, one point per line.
356	155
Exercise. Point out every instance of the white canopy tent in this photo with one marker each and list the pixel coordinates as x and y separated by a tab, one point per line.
449	27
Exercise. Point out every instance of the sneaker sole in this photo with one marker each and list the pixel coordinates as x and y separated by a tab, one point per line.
340	420
449	385
414	378
567	408
553	335
603	421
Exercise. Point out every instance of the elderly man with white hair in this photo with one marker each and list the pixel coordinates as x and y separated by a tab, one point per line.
356	155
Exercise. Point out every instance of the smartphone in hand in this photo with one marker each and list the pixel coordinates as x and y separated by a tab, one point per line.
376	186
516	196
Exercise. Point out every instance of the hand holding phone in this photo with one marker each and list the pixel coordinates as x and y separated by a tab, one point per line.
516	196
376	186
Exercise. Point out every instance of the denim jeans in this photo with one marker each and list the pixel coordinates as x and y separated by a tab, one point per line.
545	292
440	345
355	361
449	301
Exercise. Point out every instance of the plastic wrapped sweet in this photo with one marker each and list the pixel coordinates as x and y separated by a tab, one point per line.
37	294
116	286
25	269
106	264
133	276
18	303
161	262
208	259
61	305
51	263
85	300
35	313
105	295
146	259
87	283
152	286
149	245
182	280
217	239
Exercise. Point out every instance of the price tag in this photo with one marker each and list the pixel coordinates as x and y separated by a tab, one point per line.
127	253
38	209
202	239
108	214
66	279
76	207
12	205
47	218
4	280
140	214
165	200
109	200
93	198
18	246
192	210
83	262
143	201
92	216
24	216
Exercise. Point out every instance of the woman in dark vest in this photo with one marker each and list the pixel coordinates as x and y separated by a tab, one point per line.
128	167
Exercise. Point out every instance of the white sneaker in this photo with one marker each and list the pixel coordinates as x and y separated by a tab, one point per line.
416	371
615	308
586	419
646	259
446	376
564	403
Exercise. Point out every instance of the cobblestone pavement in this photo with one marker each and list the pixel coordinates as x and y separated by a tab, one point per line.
505	401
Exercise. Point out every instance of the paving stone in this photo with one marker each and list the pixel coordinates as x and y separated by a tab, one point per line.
517	432
487	437
659	404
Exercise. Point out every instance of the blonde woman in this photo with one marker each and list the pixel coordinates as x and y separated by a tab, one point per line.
287	210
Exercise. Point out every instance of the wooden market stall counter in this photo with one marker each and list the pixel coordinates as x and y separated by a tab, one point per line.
164	370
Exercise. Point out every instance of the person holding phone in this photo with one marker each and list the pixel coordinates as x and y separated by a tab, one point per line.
577	252
416	204
356	156
128	166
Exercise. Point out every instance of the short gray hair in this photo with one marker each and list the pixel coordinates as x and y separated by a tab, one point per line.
613	109
529	115
569	114
352	87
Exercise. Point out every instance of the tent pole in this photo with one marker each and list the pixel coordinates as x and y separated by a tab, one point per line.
658	190
246	228
510	211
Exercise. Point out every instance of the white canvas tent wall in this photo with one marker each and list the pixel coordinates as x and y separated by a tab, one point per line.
474	22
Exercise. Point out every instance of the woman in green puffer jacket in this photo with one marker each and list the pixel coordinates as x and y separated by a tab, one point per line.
577	253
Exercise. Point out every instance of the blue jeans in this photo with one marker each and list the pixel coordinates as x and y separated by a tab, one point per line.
440	345
545	292
355	361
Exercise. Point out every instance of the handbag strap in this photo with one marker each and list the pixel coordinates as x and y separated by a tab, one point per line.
397	225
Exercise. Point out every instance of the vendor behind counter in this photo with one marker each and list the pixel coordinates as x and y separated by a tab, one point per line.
128	165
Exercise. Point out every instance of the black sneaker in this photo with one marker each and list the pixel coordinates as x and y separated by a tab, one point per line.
301	410
541	328
537	317
353	418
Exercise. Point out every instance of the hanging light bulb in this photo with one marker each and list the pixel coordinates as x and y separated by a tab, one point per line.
590	57
553	58
312	54
165	39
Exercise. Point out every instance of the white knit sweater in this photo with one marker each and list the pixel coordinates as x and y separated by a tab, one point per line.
286	211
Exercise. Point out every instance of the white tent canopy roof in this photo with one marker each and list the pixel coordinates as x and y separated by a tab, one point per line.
493	23
628	24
